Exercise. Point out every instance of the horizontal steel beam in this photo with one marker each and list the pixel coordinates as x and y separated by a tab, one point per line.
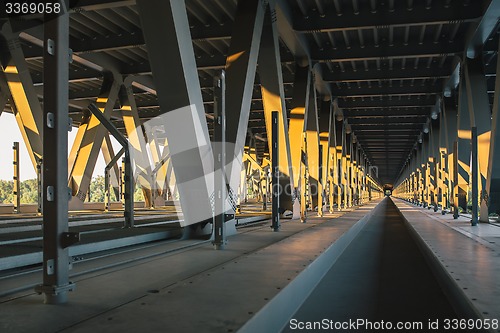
385	51
387	112
382	18
388	102
386	74
386	121
375	90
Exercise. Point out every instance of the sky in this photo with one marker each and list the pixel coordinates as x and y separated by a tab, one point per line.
9	133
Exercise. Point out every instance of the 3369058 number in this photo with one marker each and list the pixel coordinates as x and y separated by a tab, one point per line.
20	8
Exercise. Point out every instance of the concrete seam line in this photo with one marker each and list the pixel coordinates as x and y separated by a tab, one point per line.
277	312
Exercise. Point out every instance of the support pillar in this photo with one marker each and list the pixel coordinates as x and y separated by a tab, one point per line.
480	117
241	65
219	150
463	147
296	134
493	175
56	238
170	50
275	171
474	175
273	99
17	180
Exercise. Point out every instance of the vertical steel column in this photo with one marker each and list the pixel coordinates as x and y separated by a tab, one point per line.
493	175
171	55
273	99
275	172
219	151
241	65
17	180
480	117
296	132
456	212
56	237
320	180
474	175
39	187
463	149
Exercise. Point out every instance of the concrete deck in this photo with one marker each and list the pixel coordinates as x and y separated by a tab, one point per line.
467	257
190	290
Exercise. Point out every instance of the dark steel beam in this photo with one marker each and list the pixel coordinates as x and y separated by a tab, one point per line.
383	112
375	90
78	6
388	102
413	50
418	16
170	51
396	121
386	74
241	65
479	33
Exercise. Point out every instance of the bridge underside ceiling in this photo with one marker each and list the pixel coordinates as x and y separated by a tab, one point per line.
386	62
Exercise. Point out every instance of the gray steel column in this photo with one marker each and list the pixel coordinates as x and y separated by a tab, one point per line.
339	135
450	122
241	65
493	177
474	175
275	172
273	99
17	180
463	147
219	150
170	51
455	197
56	237
480	117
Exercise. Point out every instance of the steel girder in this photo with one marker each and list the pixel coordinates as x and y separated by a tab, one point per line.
480	117
56	238
16	81
241	65
493	173
296	132
420	14
135	135
166	32
109	154
271	79
88	142
312	139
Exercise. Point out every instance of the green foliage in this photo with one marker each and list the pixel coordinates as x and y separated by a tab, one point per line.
6	187
29	191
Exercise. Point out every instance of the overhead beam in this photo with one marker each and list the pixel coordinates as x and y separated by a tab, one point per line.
420	14
386	74
479	33
413	50
410	101
375	90
392	112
